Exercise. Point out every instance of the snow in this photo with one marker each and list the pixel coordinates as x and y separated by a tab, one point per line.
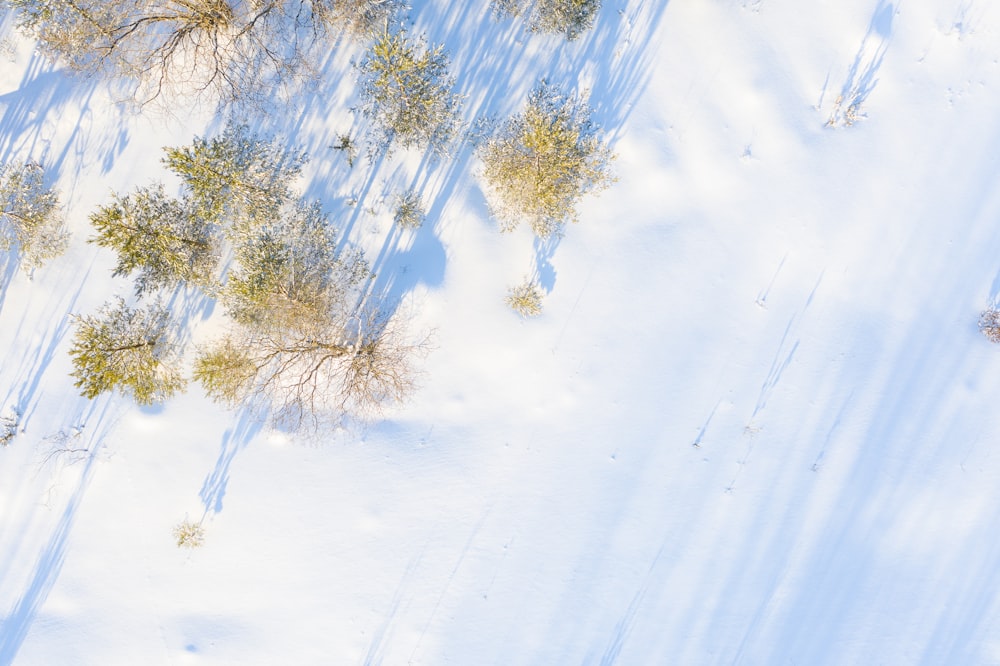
752	425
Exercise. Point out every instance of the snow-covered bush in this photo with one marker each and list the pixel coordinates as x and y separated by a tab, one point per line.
525	299
989	324
189	534
409	212
8	427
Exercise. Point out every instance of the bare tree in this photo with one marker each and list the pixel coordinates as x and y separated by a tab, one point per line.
541	162
30	218
229	50
350	364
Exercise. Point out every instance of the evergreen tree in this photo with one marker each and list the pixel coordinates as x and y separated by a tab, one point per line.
131	350
406	90
361	18
238	178
30	219
570	18
161	238
541	162
290	272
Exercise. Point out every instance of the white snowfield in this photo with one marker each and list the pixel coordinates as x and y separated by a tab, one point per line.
755	423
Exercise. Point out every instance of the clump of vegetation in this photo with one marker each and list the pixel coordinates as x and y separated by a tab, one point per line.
164	240
525	299
406	89
305	340
224	51
410	213
539	163
346	144
131	350
189	534
570	18
30	218
8	427
989	324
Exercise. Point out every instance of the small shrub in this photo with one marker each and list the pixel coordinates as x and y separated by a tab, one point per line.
410	212
525	299
189	534
989	324
8	427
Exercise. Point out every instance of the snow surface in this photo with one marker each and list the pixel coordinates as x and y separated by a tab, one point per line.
752	426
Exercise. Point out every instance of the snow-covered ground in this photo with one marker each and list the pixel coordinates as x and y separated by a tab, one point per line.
753	425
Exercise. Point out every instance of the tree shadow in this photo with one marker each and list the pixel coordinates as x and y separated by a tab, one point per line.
495	63
15	626
9	263
862	76
33	365
235	439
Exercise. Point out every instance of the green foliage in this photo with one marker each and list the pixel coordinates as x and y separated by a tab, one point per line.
163	239
226	371
405	89
131	350
410	211
290	271
30	220
570	18
360	18
540	163
237	178
525	299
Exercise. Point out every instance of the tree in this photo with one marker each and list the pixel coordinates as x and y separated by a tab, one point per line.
571	18
406	90
30	219
304	345
360	18
229	50
354	362
539	163
290	273
131	350
161	238
236	177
